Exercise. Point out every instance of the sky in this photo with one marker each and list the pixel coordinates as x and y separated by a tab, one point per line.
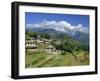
33	18
59	22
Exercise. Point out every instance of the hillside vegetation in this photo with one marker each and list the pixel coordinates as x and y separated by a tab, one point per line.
55	49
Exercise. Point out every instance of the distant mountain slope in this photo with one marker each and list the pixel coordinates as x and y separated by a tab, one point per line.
82	37
49	31
79	36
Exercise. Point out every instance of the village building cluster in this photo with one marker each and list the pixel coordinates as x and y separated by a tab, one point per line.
33	43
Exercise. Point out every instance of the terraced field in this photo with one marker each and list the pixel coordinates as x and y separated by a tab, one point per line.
41	58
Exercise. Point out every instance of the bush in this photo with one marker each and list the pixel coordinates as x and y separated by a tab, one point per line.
63	53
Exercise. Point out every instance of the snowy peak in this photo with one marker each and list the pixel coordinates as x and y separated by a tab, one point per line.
54	28
62	26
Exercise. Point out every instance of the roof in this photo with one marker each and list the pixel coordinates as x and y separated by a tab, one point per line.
29	41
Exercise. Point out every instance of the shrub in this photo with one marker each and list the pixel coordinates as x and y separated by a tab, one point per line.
63	53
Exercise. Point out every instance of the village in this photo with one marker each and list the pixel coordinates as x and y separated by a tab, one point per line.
39	52
32	44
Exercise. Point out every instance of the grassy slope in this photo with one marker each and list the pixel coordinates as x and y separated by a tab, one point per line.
41	58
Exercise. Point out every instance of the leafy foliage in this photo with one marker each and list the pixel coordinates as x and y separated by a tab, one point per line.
61	42
36	34
63	53
69	52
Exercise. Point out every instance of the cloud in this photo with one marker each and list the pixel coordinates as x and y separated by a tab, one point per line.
59	26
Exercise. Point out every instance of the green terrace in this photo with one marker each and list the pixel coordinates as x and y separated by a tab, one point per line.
42	50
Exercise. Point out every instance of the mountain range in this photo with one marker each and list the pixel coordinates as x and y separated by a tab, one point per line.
78	32
79	36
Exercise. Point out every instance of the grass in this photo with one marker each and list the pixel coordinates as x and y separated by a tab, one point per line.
41	58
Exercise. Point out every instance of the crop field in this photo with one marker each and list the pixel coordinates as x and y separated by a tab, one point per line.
40	58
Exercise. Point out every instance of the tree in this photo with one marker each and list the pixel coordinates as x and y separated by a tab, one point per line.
32	34
47	36
63	53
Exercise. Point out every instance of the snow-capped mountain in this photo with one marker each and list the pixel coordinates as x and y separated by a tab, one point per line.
78	32
62	26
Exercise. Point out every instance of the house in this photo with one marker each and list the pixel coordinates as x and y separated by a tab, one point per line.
50	49
40	41
46	41
43	41
30	44
33	38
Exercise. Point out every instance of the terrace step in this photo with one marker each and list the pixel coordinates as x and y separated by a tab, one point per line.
38	64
